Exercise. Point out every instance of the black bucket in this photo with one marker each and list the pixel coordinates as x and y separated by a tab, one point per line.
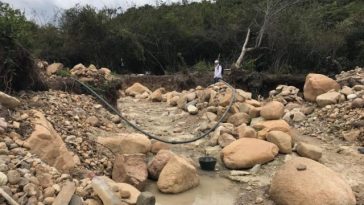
207	163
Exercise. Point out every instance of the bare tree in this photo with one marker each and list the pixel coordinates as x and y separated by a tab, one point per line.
271	11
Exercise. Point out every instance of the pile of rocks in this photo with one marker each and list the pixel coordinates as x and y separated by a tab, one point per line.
252	129
286	94
48	154
351	78
254	132
85	74
90	73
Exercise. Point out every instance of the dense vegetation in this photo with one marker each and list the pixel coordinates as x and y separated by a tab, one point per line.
297	36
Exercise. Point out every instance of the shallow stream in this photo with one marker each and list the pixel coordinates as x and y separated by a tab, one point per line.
213	190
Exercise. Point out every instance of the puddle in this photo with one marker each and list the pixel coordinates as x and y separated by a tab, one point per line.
213	190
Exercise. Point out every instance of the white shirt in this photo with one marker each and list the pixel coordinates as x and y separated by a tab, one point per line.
218	70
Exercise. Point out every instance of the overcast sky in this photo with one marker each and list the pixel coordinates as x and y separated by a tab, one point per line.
43	10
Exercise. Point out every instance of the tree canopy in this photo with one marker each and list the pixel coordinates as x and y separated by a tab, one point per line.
308	35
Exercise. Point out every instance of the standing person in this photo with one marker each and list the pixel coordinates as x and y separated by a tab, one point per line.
218	71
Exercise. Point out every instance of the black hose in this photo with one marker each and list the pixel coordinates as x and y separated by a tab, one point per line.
156	137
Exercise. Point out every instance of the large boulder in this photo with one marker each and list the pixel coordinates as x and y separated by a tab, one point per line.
308	150
137	89
317	84
131	169
264	127
247	152
156	96
272	111
328	98
282	140
178	176
225	139
304	181
8	101
117	188
54	68
46	143
157	164
239	119
157	146
224	99
127	143
246	131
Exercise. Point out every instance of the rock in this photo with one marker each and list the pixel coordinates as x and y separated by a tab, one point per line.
309	151
357	103
146	198
177	176
352	96
66	193
225	139
224	99
361	150
45	142
76	200
254	103
8	101
49	192
45	180
93	121
282	140
31	189
239	119
243	95
174	101
192	109
191	96
54	68
3	179
247	152
358	87
157	164
156	96
123	187
294	116
272	111
48	200
92	202
352	135
265	127
104	71
102	186
127	143
246	132
137	89
212	117
328	98
157	146
131	169
317	84
346	90
3	125
291	105
13	176
307	110
316	184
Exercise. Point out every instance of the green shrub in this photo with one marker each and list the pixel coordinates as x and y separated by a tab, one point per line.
63	73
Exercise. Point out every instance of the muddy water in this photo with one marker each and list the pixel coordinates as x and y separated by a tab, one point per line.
213	190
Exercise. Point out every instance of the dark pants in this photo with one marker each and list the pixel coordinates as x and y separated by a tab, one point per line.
216	80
